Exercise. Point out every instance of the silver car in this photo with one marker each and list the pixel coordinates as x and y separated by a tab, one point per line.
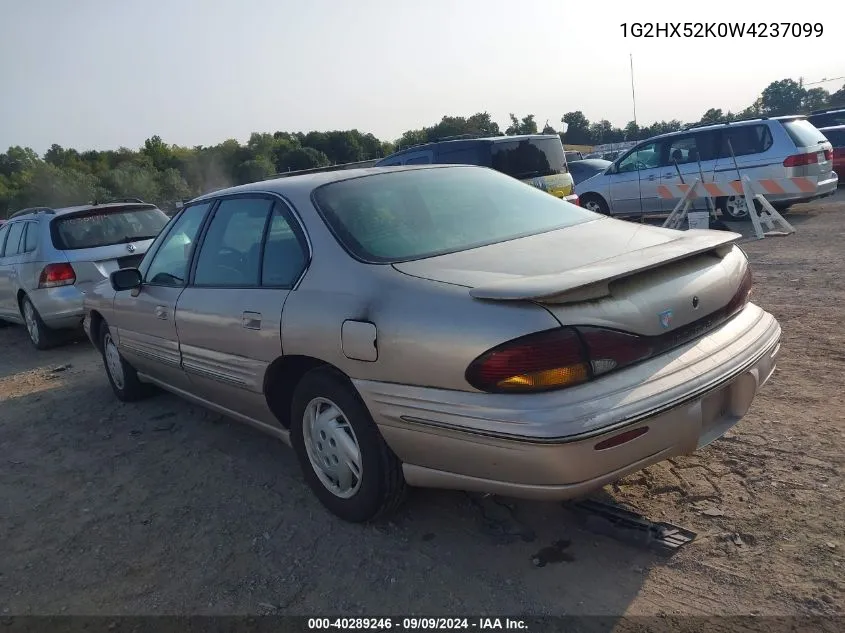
49	257
777	148
442	326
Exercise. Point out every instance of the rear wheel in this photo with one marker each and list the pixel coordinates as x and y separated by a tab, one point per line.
122	376
594	203
40	335
343	457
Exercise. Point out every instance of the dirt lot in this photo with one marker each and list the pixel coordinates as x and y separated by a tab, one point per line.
161	507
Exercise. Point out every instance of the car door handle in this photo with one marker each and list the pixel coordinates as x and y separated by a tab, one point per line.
161	312
651	177
669	175
251	320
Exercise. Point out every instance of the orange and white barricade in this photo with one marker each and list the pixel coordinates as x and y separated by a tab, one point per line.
751	191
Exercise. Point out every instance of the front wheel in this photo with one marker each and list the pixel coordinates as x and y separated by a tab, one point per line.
343	457
122	376
594	203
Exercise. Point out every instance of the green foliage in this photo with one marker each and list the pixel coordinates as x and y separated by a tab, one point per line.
165	174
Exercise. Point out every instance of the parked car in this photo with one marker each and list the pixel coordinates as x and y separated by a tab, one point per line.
777	148
536	159
49	257
572	156
829	117
587	168
440	326
836	136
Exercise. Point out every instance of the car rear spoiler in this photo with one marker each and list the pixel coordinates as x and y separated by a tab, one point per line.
593	280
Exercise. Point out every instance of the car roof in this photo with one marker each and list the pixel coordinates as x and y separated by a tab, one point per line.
832	127
304	184
469	141
592	162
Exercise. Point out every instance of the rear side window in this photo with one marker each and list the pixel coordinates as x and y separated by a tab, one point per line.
466	156
836	137
4	231
104	227
418	160
803	133
31	237
745	140
13	241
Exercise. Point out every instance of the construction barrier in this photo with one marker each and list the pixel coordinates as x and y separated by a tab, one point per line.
749	190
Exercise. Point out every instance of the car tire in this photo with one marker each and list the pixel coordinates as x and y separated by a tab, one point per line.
343	457
595	203
40	335
122	376
735	212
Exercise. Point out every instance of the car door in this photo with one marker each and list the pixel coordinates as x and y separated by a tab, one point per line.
8	270
251	254
145	318
5	283
685	159
634	180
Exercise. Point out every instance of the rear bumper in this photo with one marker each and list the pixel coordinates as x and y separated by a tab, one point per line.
824	188
548	450
59	307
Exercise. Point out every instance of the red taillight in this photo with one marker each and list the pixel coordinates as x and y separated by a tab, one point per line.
742	295
800	160
537	362
55	275
828	154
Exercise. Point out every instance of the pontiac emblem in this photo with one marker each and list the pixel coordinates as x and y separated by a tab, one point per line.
130	248
665	319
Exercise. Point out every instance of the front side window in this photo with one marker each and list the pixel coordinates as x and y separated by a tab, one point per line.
169	265
690	149
230	255
418	160
399	216
643	157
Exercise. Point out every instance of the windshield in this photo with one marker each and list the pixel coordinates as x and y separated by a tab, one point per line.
107	226
529	157
404	215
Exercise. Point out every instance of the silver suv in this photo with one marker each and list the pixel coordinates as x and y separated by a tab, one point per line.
50	257
781	147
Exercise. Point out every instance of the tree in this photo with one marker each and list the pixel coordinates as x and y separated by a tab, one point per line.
577	128
782	97
525	126
814	99
837	98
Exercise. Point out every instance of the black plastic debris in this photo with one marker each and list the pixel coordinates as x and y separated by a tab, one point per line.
625	525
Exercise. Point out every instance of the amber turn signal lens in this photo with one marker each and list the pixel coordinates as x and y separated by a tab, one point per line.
557	377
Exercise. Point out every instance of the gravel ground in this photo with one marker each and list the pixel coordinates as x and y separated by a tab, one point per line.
161	507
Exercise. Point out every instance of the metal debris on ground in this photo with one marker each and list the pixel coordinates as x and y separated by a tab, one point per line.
623	524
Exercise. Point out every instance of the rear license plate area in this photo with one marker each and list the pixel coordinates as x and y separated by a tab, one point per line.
130	261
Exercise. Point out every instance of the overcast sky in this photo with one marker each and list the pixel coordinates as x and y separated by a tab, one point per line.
105	73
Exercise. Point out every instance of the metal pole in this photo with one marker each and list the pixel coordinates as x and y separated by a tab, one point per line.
633	95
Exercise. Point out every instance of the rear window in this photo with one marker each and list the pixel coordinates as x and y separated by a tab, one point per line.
104	227
400	216
529	157
803	133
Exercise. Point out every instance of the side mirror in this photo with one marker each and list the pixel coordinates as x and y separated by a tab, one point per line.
125	279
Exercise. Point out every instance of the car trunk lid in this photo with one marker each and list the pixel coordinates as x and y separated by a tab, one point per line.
638	278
